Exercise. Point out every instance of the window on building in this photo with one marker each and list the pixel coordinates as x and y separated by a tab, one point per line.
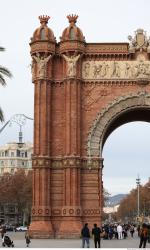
12	163
12	171
2	163
18	153
3	153
23	163
2	170
6	153
22	154
26	155
12	154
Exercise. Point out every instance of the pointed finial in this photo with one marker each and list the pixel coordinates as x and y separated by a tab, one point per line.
72	18
44	19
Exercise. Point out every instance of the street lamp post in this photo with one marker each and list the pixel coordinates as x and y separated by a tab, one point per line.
138	195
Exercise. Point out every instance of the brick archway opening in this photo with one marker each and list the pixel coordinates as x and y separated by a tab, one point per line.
125	109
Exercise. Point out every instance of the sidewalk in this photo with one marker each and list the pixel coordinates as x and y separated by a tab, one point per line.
19	242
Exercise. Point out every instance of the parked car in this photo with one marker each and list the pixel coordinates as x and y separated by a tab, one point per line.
9	227
21	229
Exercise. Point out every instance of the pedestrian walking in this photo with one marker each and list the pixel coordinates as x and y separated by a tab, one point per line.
96	232
148	227
27	238
138	230
3	231
143	236
132	230
119	231
85	234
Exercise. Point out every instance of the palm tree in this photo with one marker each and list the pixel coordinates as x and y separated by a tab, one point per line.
3	71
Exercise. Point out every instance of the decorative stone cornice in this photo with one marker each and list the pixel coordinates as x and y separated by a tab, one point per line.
108	114
71	161
41	162
92	163
41	211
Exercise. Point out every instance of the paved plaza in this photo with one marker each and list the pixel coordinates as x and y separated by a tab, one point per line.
19	242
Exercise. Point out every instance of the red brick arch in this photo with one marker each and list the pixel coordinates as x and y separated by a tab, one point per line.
112	112
83	91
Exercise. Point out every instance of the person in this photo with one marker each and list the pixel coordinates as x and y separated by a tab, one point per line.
138	230
85	233
3	231
148	226
132	230
119	231
143	236
27	237
111	232
96	231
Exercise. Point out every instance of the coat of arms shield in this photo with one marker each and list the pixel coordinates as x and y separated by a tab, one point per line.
140	38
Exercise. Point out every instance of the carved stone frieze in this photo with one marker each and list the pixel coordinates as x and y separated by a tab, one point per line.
41	211
71	162
92	163
41	162
91	212
110	70
71	211
108	114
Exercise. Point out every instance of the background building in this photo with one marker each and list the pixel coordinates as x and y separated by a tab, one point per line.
14	156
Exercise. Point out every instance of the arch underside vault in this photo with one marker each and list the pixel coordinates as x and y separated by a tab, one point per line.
132	107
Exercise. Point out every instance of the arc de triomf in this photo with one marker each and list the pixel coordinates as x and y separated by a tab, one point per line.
83	91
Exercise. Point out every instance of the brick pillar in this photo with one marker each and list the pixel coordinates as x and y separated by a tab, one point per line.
92	191
41	226
70	226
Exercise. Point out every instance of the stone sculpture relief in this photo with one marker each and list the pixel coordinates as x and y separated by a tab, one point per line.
139	41
71	64
116	69
41	65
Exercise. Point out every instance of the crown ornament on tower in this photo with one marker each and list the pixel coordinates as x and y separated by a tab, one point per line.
72	18
44	19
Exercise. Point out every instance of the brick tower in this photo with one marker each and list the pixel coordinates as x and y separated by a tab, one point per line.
63	180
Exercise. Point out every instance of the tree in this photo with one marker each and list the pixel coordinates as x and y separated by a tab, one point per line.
128	206
106	195
17	189
3	72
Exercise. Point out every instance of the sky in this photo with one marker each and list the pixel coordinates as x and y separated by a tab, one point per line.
101	21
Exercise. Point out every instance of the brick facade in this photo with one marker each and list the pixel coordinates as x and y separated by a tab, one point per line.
80	98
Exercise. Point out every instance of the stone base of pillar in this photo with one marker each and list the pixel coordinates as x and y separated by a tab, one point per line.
41	230
69	229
